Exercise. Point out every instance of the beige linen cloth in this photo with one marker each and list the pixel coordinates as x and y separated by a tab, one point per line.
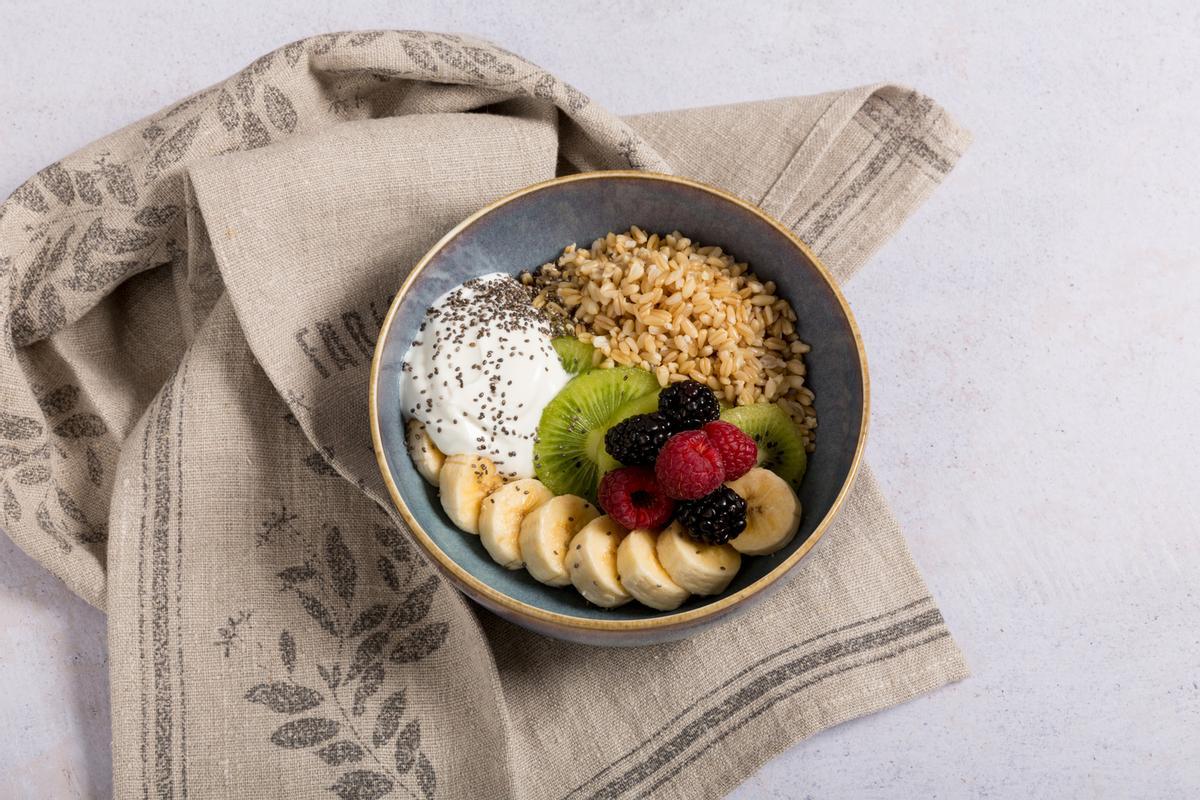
189	318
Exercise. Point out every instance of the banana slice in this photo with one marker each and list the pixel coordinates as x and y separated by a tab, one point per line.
501	516
424	453
772	513
697	566
545	533
643	576
592	562
464	482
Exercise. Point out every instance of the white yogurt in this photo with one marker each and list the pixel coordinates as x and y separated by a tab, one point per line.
480	371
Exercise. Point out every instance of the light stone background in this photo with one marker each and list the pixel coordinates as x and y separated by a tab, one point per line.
1033	336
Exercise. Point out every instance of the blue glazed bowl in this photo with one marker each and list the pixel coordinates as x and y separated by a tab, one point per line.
531	227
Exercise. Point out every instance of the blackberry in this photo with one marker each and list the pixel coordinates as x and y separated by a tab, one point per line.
635	442
715	518
688	404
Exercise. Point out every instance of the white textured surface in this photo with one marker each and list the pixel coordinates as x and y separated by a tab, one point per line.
1032	333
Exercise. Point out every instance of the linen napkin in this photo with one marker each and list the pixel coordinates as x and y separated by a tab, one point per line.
191	309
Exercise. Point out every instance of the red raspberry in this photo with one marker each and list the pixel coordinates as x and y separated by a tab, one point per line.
688	466
631	496
738	451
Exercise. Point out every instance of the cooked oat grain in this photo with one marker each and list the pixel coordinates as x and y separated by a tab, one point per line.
680	310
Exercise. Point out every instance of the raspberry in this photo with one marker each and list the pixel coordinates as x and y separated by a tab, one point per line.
688	466
632	497
688	404
715	518
738	451
637	440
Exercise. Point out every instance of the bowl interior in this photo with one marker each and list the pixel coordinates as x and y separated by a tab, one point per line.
532	229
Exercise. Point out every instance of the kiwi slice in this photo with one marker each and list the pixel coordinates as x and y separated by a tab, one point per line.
780	448
562	456
576	356
639	405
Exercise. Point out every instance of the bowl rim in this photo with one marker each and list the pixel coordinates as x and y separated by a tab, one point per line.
488	595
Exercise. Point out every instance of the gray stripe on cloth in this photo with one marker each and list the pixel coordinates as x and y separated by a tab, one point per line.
724	711
756	667
791	692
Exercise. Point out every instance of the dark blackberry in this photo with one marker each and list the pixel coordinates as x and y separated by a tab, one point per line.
715	518
635	442
688	404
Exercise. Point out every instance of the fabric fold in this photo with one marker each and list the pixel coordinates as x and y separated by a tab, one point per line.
192	307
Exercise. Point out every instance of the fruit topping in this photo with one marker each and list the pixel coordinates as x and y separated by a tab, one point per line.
646	404
780	448
566	454
545	533
696	566
501	516
632	497
464	482
576	356
426	456
688	404
642	574
637	440
772	512
738	451
688	466
715	518
592	562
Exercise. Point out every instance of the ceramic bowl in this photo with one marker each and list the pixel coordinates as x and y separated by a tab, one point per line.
531	227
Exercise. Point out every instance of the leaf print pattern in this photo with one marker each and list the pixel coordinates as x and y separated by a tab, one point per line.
280	110
415	606
342	570
120	184
173	148
15	426
339	753
28	195
58	181
407	745
486	58
254	132
60	400
388	721
369	619
80	426
85	185
156	216
317	610
372	677
305	732
27	461
362	784
287	651
420	55
343	723
227	112
456	58
293	52
285	698
420	643
12	509
95	467
32	476
426	777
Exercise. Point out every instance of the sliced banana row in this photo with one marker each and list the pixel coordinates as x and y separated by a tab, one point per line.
563	540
